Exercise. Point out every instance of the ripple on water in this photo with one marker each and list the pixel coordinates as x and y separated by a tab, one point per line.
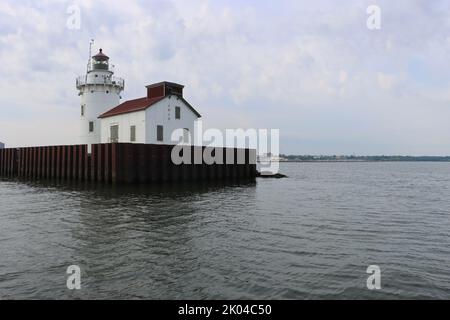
311	236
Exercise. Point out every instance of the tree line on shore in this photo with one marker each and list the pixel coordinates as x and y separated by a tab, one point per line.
363	158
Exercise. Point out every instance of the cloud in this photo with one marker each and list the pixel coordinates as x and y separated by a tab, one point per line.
313	70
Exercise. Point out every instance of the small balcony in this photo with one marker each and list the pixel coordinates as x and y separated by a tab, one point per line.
110	81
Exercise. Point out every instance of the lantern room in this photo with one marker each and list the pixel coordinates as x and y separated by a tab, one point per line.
100	61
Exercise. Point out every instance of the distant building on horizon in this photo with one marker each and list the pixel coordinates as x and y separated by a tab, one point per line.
2	145
150	119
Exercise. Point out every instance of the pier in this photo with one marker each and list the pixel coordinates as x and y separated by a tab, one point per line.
121	163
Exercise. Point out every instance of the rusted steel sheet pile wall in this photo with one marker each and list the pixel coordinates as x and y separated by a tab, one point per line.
122	163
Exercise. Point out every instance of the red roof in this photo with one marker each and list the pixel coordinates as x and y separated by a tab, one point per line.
100	56
131	106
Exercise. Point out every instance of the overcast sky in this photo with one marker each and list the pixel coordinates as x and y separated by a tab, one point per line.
309	68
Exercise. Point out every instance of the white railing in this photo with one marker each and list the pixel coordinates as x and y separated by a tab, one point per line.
115	81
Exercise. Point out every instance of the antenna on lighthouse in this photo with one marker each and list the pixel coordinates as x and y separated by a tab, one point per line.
89	67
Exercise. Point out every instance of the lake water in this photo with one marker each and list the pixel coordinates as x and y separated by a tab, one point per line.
310	236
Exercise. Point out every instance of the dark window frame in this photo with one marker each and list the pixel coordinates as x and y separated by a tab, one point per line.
111	138
159	133
133	133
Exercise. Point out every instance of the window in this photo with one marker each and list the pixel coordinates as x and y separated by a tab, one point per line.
82	110
114	133
91	126
177	113
159	133
133	133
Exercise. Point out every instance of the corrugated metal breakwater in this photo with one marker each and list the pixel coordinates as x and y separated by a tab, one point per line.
124	163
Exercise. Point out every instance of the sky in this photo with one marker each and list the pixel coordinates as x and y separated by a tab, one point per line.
312	69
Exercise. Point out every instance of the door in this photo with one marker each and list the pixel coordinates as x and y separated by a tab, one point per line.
114	133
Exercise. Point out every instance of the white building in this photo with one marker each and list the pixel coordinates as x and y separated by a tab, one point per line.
150	119
99	91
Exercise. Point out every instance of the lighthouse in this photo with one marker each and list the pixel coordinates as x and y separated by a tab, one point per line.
99	91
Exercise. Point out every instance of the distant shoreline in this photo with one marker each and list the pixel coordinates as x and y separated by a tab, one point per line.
343	158
361	161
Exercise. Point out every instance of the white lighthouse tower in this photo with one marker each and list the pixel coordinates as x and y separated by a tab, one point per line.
99	91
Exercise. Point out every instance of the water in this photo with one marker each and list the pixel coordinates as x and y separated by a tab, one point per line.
311	236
